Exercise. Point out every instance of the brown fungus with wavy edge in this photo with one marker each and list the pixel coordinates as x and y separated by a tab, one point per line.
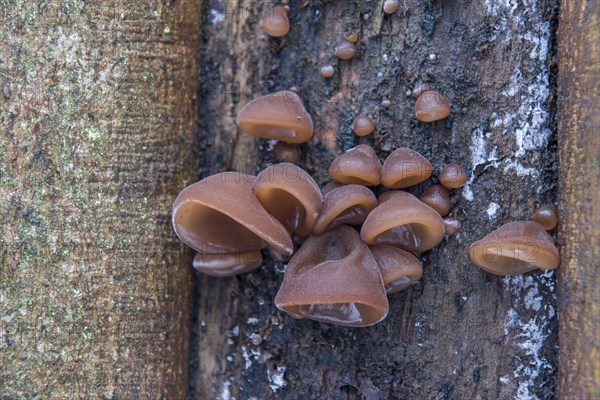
291	195
515	248
329	186
431	106
363	125
453	176
438	198
358	165
547	216
399	269
275	22
334	278
229	264
404	221
278	116
348	204
405	167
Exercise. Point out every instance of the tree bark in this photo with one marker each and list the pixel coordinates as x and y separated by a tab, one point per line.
579	145
459	333
98	135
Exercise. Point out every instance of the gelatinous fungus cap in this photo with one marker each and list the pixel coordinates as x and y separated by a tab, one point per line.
275	22
515	248
345	50
363	125
358	165
278	116
348	204
399	269
221	214
438	198
228	264
453	176
431	106
405	167
334	278
547	216
403	221
291	195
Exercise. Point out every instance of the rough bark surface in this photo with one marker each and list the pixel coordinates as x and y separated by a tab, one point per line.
460	333
97	110
579	148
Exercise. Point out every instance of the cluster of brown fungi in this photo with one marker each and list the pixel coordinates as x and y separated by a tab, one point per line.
346	248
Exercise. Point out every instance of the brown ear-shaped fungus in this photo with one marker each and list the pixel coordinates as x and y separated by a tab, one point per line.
431	106
334	278
275	22
453	176
329	186
399	269
438	198
349	204
515	248
363	125
452	226
404	221
221	214
547	216
230	264
291	195
345	50
278	116
358	165
405	167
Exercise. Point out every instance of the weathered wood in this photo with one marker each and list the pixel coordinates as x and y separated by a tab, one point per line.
579	146
460	333
97	110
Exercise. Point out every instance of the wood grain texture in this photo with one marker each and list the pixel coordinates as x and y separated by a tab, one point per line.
579	155
460	333
97	135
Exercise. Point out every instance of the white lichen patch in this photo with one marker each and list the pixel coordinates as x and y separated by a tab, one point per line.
276	378
492	209
225	393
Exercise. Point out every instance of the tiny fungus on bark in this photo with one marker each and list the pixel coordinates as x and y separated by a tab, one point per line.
404	168
286	152
431	106
229	264
438	198
348	204
452	226
399	269
291	195
420	89
453	176
278	116
334	278
345	50
221	215
358	165
327	71
515	248
547	216
363	125
390	6
275	22
404	221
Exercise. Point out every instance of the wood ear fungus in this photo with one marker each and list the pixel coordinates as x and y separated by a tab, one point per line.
547	216
403	221
404	168
348	204
358	165
453	176
420	89
431	106
452	226
334	278
390	6
515	248
345	50
279	116
327	71
230	264
275	22
399	269
438	198
363	125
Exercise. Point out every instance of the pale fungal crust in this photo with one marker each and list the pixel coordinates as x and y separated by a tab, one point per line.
431	106
438	198
221	214
405	167
230	264
291	195
403	221
453	176
547	216
363	125
515	248
399	269
358	165
334	278
275	22
345	205
278	116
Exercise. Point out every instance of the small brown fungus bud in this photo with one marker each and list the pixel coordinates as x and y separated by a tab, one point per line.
420	89
453	176
345	50
351	36
431	106
358	165
286	152
405	167
327	71
275	22
452	226
363	125
547	216
390	6
438	198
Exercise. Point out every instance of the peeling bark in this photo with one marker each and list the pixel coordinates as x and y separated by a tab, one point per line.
97	110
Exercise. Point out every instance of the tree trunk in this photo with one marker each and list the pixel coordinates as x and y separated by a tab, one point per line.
459	333
97	137
579	144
